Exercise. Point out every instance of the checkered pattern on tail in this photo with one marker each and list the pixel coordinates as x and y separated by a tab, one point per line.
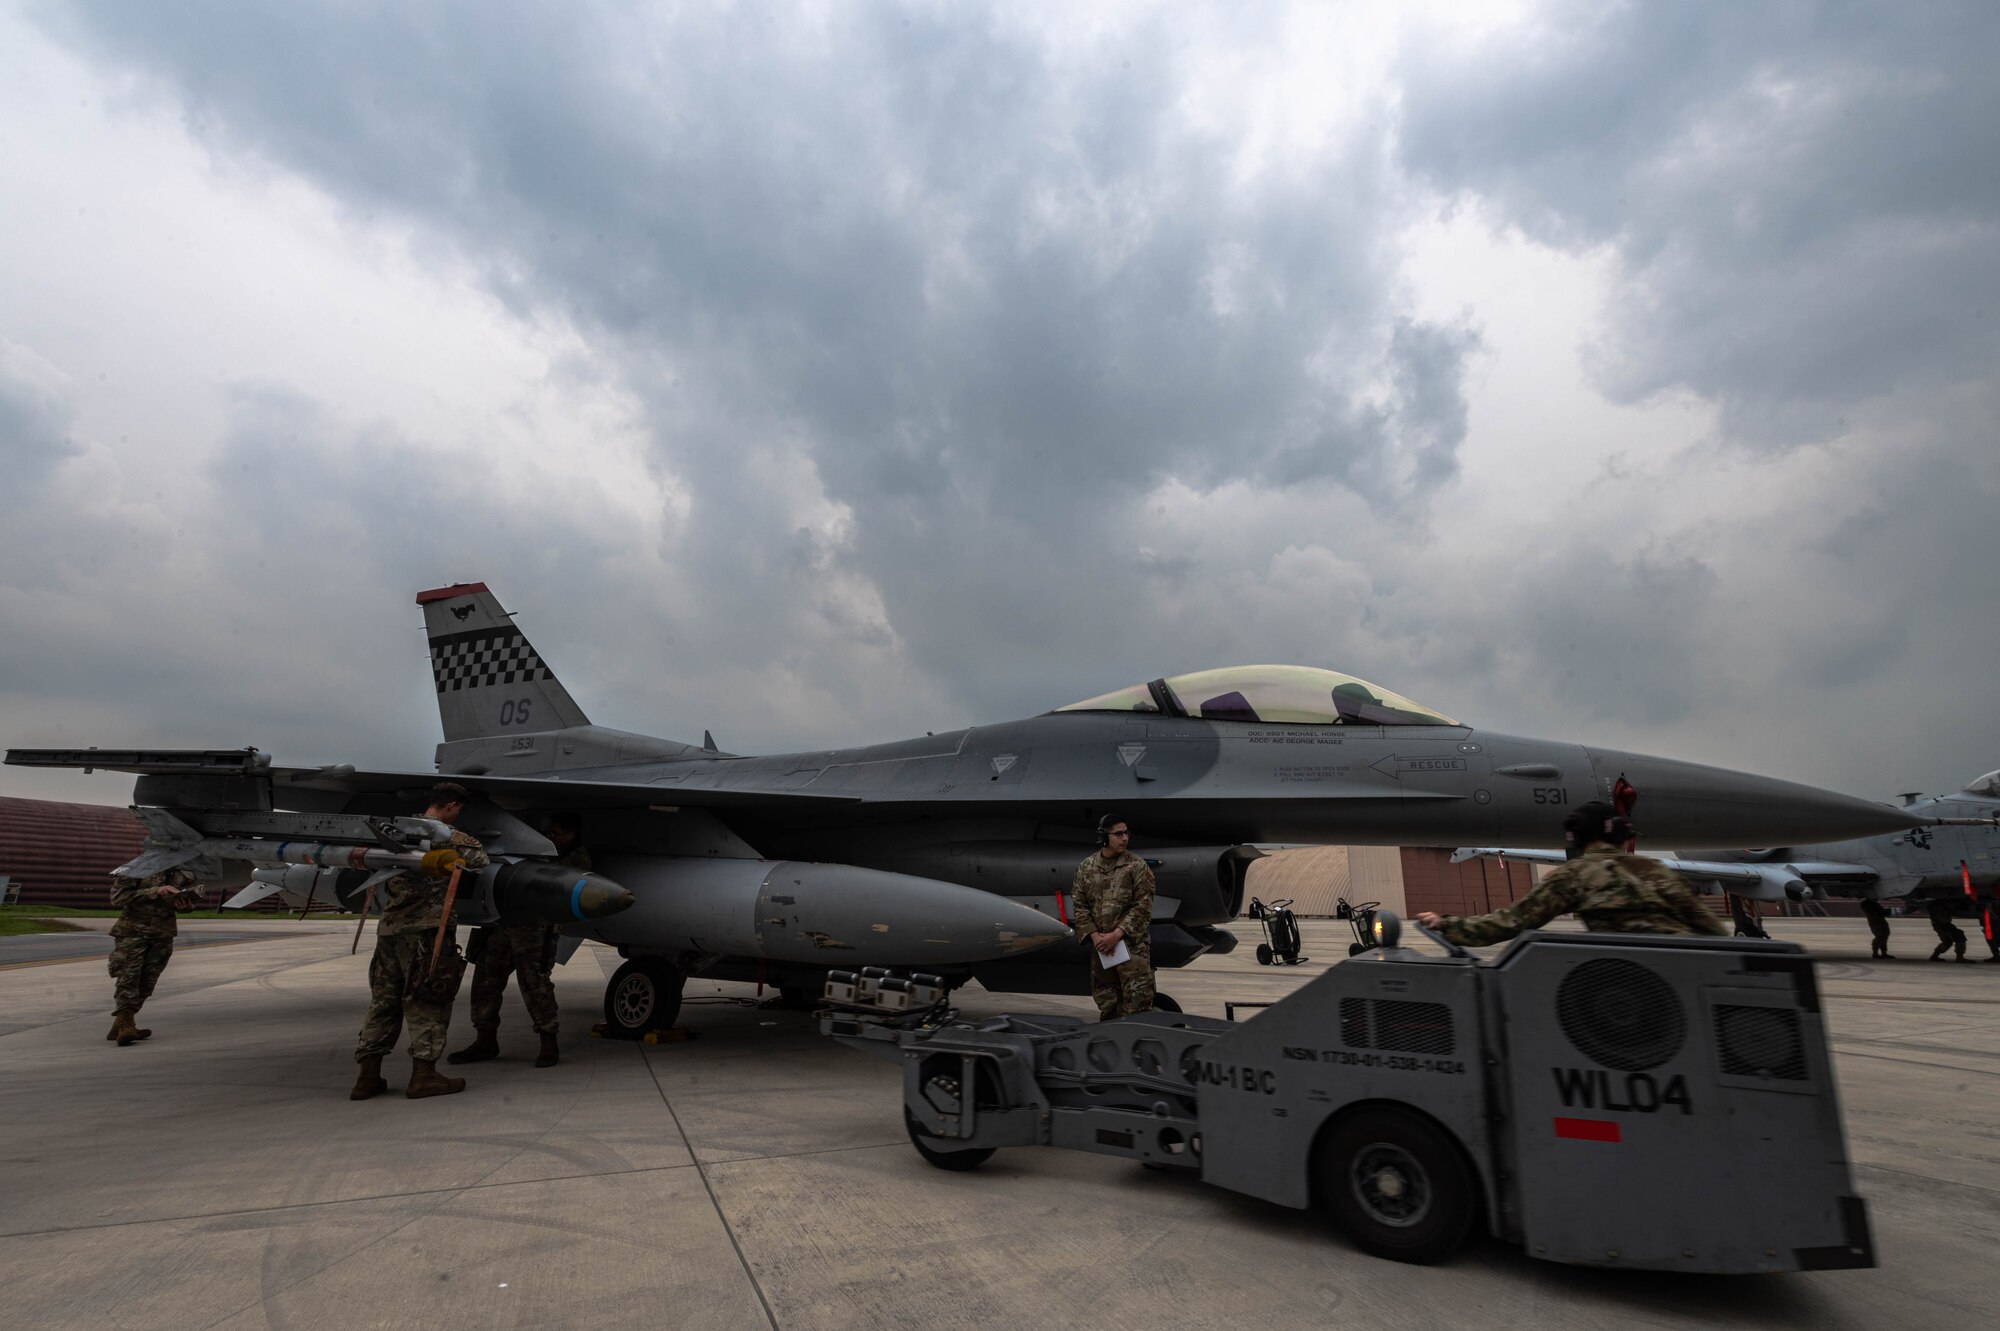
475	660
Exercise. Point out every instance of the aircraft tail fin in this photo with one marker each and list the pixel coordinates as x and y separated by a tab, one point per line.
490	679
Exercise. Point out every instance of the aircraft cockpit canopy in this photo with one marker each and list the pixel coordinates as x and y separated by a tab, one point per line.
1291	695
1988	785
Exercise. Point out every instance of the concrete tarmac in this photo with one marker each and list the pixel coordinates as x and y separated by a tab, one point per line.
217	1176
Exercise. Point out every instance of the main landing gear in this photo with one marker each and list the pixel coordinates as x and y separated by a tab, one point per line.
644	995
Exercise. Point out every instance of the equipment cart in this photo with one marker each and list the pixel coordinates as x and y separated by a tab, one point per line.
1611	1100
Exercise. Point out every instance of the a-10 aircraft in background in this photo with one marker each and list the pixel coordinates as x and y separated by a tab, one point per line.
1954	855
951	852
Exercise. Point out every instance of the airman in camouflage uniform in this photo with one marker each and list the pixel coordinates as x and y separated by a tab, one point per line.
413	903
1949	935
147	923
1878	929
1111	899
1608	889
528	952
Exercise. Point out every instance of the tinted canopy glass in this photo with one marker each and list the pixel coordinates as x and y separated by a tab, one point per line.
1295	695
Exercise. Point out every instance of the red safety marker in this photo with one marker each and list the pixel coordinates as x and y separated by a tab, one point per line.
1588	1129
1985	916
1062	911
1623	796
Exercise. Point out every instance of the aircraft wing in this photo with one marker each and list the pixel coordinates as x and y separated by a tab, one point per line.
581	789
576	790
1464	853
1773	881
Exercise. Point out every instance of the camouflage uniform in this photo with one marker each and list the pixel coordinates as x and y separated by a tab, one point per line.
413	901
526	951
1116	894
1878	927
1949	935
1610	890
145	935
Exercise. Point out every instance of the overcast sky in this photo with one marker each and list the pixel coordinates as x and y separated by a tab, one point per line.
826	374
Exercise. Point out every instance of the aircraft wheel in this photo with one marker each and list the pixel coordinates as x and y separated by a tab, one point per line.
1165	1003
1397	1184
956	1161
1263	954
644	995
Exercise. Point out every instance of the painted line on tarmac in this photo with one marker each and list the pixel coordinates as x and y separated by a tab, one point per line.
1912	998
701	1172
1918	1063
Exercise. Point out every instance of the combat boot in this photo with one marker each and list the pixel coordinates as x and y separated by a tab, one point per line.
550	1054
371	1082
425	1081
123	1031
485	1044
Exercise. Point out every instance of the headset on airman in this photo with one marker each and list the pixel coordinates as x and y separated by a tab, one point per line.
1595	821
1104	826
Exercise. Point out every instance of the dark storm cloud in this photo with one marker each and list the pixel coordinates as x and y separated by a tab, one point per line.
1096	391
35	427
1800	221
1800	197
988	293
948	250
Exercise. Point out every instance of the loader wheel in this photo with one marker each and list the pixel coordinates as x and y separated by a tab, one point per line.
644	995
1263	954
1165	1003
1397	1185
958	1162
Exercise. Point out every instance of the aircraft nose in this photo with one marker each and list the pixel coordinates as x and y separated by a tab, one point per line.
1689	804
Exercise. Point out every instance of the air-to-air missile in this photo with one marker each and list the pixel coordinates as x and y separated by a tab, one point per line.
335	858
517	891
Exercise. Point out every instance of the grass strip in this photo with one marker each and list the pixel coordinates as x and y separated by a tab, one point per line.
12	925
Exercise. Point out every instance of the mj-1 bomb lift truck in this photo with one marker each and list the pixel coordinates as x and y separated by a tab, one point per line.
1611	1100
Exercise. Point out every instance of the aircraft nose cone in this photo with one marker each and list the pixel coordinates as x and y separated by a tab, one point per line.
1689	804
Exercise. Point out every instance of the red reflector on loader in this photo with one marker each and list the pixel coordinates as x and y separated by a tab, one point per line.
1588	1129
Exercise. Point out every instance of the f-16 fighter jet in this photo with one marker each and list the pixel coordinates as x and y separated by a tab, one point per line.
952	852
